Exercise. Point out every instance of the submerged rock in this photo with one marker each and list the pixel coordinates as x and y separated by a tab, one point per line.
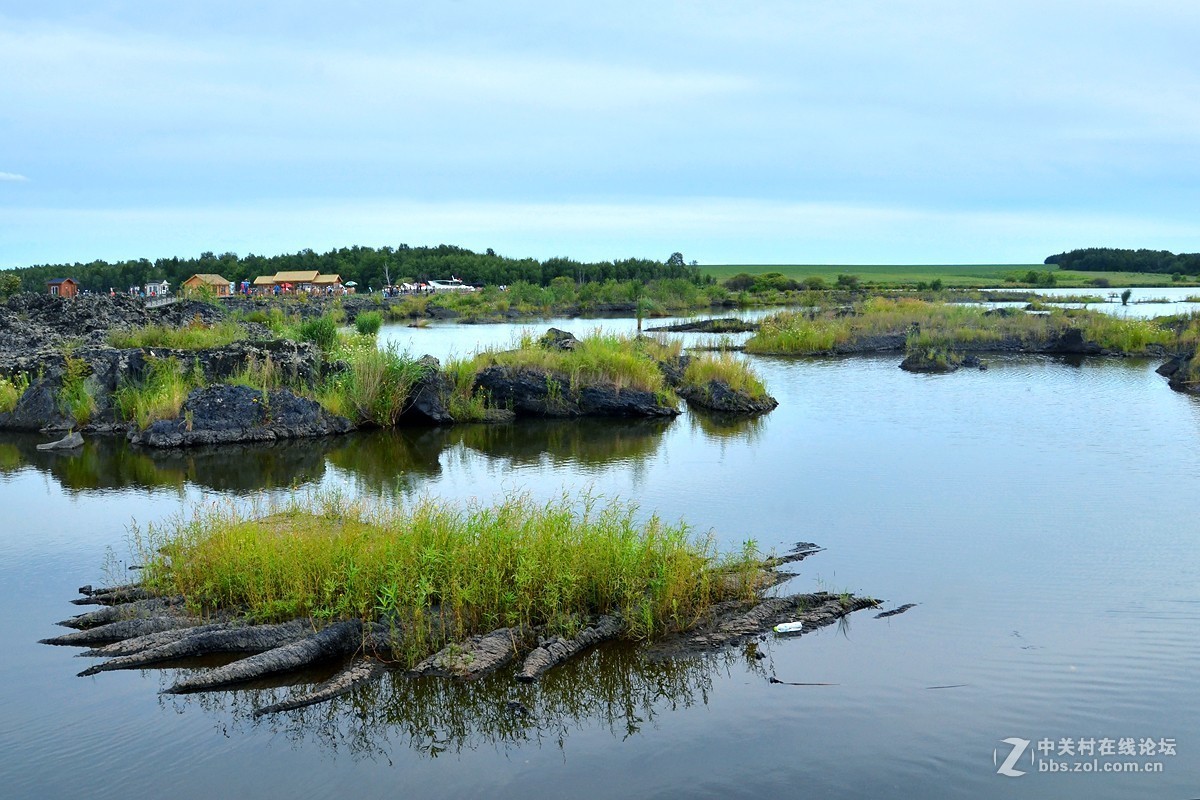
68	442
940	361
722	325
220	414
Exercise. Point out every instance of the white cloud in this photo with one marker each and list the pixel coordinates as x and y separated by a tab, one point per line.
12	176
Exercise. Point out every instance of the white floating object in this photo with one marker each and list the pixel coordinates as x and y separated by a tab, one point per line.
789	627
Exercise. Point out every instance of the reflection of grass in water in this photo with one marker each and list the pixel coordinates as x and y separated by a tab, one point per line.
726	426
567	441
10	458
97	466
613	687
386	460
443	571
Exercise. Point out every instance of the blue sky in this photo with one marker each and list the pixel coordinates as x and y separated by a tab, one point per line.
850	132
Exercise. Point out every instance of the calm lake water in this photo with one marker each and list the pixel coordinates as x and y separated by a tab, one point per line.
1038	513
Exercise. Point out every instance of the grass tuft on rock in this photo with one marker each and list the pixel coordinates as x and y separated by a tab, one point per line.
623	361
11	389
951	325
376	386
703	368
196	335
160	395
439	571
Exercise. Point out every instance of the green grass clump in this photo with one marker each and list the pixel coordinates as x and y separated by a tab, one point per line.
727	368
11	389
196	335
1126	335
466	402
160	395
321	331
375	388
441	572
263	375
76	397
946	325
623	361
368	323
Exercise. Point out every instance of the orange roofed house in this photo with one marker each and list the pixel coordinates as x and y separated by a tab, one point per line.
63	287
206	280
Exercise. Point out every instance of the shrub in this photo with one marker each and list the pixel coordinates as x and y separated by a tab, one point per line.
368	322
321	331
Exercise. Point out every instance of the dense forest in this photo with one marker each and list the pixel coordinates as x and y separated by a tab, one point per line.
1111	259
369	266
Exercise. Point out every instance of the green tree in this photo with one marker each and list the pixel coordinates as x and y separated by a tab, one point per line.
10	283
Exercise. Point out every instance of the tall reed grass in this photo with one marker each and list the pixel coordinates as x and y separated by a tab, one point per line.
725	367
376	387
196	335
159	395
440	571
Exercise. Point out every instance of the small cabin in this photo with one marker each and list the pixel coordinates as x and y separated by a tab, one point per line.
203	281
63	287
157	289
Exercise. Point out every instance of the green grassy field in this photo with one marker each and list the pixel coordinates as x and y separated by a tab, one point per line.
960	275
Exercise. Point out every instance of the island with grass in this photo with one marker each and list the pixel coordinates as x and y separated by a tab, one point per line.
198	373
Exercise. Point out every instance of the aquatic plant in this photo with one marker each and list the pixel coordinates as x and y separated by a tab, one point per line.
466	402
945	324
623	361
439	571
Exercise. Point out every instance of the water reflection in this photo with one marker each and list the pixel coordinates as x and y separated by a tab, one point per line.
616	688
578	442
717	427
380	461
109	463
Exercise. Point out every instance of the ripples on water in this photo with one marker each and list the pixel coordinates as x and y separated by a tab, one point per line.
1037	513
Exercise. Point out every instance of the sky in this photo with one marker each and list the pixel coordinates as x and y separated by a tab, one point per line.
802	132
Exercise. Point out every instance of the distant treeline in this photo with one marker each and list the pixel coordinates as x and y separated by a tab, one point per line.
368	266
1111	259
